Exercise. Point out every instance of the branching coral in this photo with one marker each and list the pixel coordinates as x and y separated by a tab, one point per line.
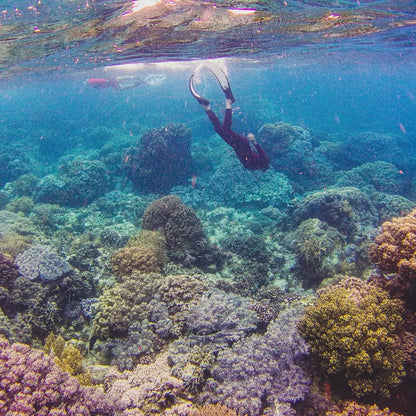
353	328
395	247
67	357
32	384
144	253
124	303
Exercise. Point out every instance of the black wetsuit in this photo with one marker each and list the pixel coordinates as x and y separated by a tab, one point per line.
253	160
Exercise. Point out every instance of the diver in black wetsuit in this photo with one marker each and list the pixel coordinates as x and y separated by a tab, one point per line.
250	153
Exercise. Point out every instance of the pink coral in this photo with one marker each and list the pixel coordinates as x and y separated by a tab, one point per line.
32	384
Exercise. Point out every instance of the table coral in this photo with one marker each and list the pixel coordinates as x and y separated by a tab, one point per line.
32	384
395	247
353	328
42	262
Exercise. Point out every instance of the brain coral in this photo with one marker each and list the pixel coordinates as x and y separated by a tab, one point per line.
32	384
353	329
144	253
395	247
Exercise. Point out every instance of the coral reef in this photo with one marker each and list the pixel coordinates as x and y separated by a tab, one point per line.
161	159
142	313
214	410
394	250
8	271
232	185
355	409
292	151
123	304
78	183
67	357
186	242
43	263
221	319
349	210
32	384
17	233
354	330
144	253
148	389
319	251
381	176
262	372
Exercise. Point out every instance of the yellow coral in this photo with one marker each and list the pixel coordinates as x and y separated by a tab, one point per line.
67	357
352	409
395	247
144	253
353	329
214	410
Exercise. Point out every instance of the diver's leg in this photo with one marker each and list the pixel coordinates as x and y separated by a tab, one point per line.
228	117
214	120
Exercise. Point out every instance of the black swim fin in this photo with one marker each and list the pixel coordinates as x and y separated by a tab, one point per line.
203	101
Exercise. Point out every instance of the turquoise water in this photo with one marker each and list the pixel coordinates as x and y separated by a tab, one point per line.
130	228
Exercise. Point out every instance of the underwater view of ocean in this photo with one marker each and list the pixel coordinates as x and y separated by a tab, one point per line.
207	208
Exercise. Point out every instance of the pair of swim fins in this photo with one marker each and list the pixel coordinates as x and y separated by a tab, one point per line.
221	78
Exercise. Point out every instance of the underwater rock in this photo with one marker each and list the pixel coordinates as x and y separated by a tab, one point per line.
161	159
43	263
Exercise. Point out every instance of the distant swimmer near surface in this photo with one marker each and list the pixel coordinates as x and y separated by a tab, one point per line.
126	81
250	153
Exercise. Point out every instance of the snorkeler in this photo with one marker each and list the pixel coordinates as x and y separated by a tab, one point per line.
118	83
125	82
250	153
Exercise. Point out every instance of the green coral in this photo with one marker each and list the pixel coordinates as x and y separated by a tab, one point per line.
353	328
123	304
23	204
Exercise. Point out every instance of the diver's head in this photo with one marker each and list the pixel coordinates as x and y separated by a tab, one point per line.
251	138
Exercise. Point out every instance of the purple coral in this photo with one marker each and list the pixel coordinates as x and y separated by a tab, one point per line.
32	384
262	372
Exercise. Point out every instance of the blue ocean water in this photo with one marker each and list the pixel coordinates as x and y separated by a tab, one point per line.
130	228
